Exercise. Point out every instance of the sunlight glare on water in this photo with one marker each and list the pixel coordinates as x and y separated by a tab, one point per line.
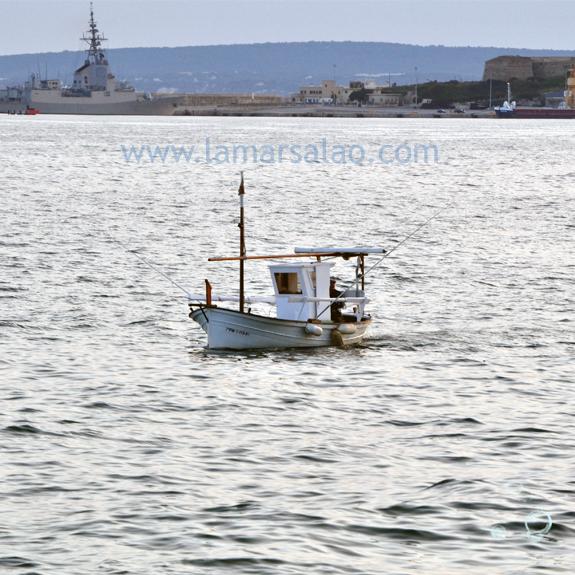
442	445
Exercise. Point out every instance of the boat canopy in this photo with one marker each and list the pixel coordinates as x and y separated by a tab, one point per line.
346	253
356	251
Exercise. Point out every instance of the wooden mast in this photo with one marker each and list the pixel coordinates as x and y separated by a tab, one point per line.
241	193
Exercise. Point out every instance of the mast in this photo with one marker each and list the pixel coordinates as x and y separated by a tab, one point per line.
241	193
94	40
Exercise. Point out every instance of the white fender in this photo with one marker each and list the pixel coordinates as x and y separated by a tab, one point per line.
313	329
347	328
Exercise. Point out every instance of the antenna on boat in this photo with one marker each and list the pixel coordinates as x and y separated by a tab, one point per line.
242	193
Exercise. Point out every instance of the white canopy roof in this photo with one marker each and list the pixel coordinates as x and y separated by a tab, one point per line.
336	250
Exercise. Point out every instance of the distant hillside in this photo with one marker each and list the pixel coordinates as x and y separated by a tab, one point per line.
273	67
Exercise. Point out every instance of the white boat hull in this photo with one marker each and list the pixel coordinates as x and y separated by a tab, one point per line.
230	329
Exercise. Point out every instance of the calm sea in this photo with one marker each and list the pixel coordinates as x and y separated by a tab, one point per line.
443	445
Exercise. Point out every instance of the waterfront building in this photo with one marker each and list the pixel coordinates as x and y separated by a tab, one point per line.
328	92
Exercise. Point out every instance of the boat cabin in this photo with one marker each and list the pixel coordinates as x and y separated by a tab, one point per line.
295	284
302	291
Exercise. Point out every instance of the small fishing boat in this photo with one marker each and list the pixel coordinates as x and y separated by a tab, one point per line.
309	310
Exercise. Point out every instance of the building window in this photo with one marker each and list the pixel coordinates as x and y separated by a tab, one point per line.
288	283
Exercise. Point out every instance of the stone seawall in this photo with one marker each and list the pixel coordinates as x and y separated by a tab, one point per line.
312	111
506	68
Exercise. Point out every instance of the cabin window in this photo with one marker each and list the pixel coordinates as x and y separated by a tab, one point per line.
313	278
288	283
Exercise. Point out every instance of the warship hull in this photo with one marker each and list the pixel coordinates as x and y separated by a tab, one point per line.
160	106
12	107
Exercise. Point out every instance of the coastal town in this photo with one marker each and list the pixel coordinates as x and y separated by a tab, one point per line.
509	84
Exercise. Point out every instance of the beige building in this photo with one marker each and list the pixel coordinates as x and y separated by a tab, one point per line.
570	92
330	93
379	97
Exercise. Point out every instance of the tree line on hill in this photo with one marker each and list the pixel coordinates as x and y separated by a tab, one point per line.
481	94
279	68
448	94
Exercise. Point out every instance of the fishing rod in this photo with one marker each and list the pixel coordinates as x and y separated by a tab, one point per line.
158	271
387	254
407	238
151	266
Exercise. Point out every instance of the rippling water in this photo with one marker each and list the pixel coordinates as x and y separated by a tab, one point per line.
443	445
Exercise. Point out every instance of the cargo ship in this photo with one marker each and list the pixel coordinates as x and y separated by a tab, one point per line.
95	90
566	111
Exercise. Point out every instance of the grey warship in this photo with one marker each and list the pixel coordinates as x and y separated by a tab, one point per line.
95	90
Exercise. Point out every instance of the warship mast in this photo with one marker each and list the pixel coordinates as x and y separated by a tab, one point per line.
94	40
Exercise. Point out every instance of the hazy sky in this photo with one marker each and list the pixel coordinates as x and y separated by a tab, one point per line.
54	25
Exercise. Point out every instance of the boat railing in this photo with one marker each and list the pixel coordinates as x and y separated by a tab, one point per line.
353	292
272	299
232	298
